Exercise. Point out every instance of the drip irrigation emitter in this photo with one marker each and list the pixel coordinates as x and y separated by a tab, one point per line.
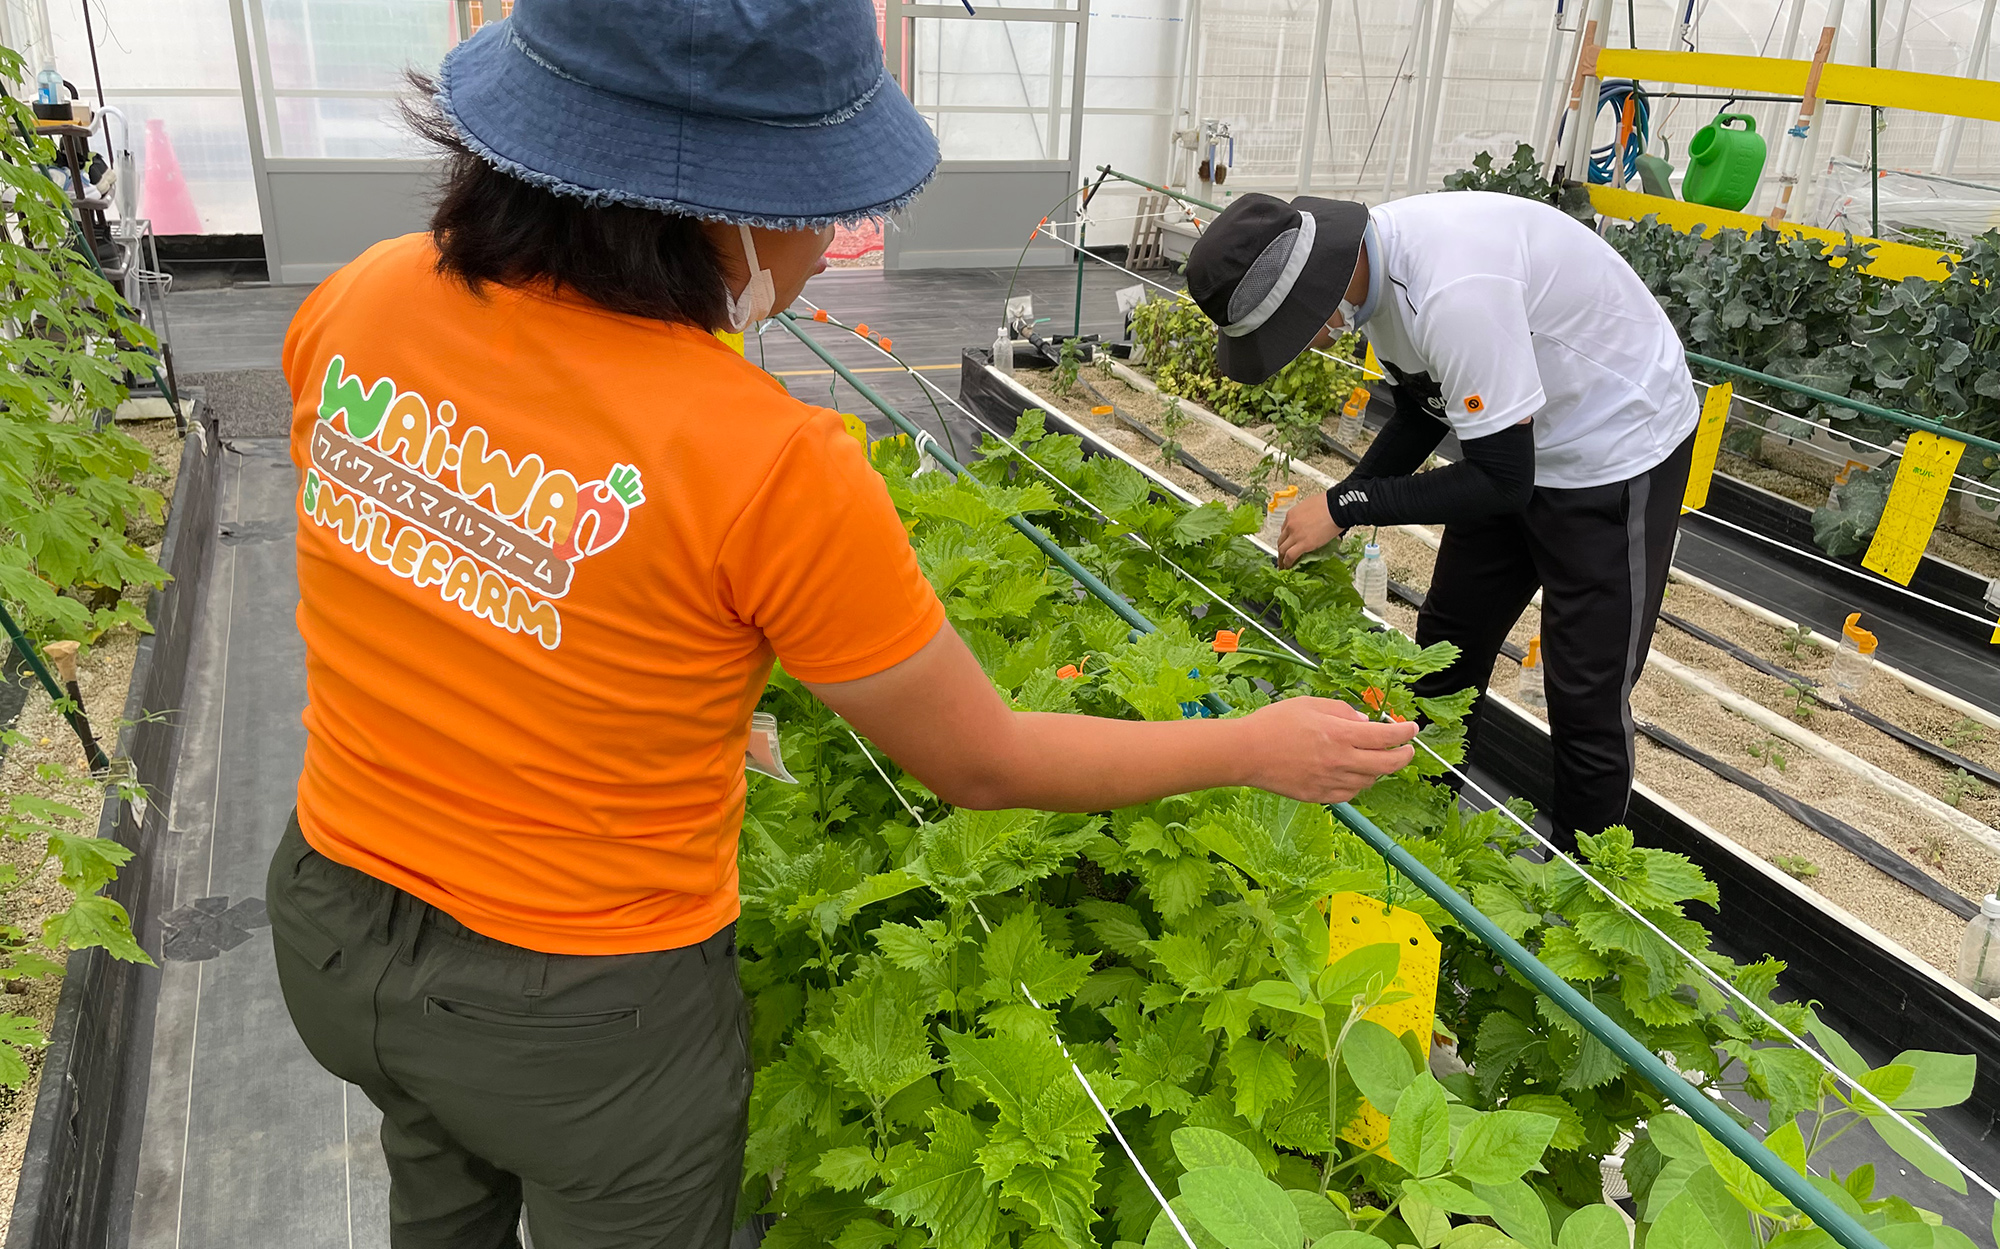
71	707
1697	1106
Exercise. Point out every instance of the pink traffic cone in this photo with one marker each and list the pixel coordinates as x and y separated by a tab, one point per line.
164	198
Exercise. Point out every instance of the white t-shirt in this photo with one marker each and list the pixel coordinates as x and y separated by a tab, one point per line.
1519	310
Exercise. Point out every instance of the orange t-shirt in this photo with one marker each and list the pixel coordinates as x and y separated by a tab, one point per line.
546	555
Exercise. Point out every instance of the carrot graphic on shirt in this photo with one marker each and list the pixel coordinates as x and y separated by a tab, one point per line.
500	537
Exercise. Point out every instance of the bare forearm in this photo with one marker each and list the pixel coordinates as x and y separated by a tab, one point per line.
1082	763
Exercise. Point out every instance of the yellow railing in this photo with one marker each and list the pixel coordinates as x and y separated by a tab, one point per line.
1852	84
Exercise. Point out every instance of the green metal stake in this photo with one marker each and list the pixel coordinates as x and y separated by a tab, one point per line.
1796	1189
92	751
1853	405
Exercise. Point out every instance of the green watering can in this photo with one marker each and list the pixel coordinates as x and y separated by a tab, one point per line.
1724	162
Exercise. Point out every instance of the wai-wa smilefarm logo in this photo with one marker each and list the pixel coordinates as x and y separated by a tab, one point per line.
500	538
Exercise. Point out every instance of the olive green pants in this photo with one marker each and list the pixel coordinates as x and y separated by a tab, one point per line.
608	1093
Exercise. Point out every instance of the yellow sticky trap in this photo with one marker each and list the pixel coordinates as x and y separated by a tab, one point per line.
1370	365
1356	920
1707	445
855	428
1911	514
733	341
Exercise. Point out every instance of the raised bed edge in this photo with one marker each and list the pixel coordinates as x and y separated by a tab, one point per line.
77	1147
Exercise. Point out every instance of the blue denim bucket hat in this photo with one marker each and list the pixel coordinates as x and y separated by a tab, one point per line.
772	113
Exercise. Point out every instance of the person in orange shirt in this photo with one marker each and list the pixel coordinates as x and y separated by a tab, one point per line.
552	533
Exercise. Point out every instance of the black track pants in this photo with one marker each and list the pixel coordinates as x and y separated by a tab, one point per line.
1600	556
608	1091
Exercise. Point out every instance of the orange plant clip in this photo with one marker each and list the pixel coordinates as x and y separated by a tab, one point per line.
819	314
1226	641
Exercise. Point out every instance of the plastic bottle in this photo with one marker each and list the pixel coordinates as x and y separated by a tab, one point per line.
1532	693
1371	579
1349	427
1855	660
1003	351
49	84
1277	509
1979	950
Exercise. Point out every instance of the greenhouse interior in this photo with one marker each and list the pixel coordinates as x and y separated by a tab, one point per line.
1388	633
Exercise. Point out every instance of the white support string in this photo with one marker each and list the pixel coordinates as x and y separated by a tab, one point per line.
1849	569
1728	989
1075	1070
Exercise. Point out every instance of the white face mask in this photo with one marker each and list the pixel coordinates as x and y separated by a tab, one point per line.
760	293
1343	317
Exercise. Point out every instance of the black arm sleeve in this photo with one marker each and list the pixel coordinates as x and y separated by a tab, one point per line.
1496	476
1405	442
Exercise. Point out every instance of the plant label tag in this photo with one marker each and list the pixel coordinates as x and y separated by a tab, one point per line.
1911	514
1707	445
1355	920
764	755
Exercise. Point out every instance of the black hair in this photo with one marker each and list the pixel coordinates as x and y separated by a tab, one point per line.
491	226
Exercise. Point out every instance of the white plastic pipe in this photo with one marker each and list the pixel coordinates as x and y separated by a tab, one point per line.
1798	150
1545	98
1420	65
1783	726
1583	101
1975	67
1315	94
1433	97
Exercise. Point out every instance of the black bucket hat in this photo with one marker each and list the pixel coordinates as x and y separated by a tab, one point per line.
1269	274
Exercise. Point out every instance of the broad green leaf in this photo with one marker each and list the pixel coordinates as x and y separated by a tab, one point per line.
1936	1080
1262	1075
1750	1188
88	863
1284	995
1205	1147
1448	1194
1366	970
1477	1236
1061	1193
1670	1183
21	1030
1242	1209
879	1042
847	1167
865	1233
1519	1211
1420	1130
1918	1151
1675	1135
1887	1082
1428	1223
1595	1227
1017	955
1789	1144
94	920
1569	1124
944	1188
1380	1065
1163	1236
1681	1226
1723	1209
1502	1146
1837	1048
1343	1240
1318	1216
13	1068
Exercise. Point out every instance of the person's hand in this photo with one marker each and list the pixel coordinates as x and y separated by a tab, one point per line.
1308	527
1322	750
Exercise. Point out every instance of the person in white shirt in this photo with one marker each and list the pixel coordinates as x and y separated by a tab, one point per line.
1516	328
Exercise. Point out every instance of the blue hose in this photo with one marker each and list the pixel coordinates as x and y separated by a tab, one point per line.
1613	92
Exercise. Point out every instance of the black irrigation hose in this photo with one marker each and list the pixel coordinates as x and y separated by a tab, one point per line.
1943	754
1835	830
1147	432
